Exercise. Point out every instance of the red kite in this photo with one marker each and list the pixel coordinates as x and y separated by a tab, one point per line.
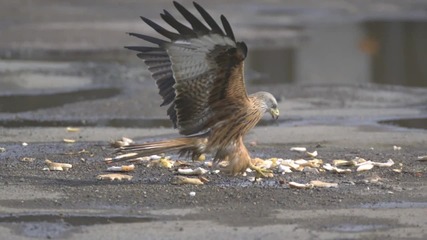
199	73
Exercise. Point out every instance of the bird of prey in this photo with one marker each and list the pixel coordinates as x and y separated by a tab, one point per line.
199	73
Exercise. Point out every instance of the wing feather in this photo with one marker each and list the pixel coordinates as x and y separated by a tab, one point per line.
148	38
199	72
197	25
161	30
181	28
209	20
227	27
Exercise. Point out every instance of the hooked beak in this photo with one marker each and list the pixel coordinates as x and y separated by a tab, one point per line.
274	113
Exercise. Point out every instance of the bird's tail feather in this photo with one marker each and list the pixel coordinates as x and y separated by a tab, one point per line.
150	148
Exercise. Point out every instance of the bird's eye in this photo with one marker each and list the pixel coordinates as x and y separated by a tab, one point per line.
274	106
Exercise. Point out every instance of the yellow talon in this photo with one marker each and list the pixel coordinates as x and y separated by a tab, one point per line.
261	172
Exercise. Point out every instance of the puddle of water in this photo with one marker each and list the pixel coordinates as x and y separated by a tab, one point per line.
354	228
42	82
117	123
420	123
22	103
59	225
395	205
15	66
56	55
385	52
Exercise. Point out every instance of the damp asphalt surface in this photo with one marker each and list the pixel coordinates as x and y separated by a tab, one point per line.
350	79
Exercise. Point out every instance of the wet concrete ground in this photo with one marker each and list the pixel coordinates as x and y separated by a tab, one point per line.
63	65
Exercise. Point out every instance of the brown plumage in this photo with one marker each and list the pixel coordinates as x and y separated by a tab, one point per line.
199	73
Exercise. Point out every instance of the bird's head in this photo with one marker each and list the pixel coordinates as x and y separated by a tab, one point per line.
269	103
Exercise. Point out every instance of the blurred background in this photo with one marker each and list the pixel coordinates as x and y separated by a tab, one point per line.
60	60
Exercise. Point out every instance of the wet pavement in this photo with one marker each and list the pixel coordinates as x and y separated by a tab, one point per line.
349	76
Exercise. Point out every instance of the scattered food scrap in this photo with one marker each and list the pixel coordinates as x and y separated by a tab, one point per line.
54	166
312	154
156	157
321	184
72	129
389	163
24	144
422	158
27	159
397	148
162	162
358	161
333	169
398	170
123	142
314	163
124	168
179	180
340	162
269	163
298	149
291	163
254	179
114	176
365	166
300	185
284	169
67	140
312	184
189	171
2	149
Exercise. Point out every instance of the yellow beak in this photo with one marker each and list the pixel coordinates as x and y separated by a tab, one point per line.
274	113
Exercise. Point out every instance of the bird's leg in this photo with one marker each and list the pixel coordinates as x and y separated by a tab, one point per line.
261	172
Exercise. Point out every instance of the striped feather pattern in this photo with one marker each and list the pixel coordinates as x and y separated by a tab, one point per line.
193	68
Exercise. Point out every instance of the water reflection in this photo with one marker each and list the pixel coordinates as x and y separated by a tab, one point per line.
402	54
386	52
408	123
22	103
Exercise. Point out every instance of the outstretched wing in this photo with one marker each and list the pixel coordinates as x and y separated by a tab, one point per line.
199	71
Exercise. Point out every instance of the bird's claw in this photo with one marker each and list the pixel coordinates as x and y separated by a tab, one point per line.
261	172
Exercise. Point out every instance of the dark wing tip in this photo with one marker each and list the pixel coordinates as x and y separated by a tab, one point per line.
171	35
208	18
181	28
196	24
142	48
148	38
227	28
